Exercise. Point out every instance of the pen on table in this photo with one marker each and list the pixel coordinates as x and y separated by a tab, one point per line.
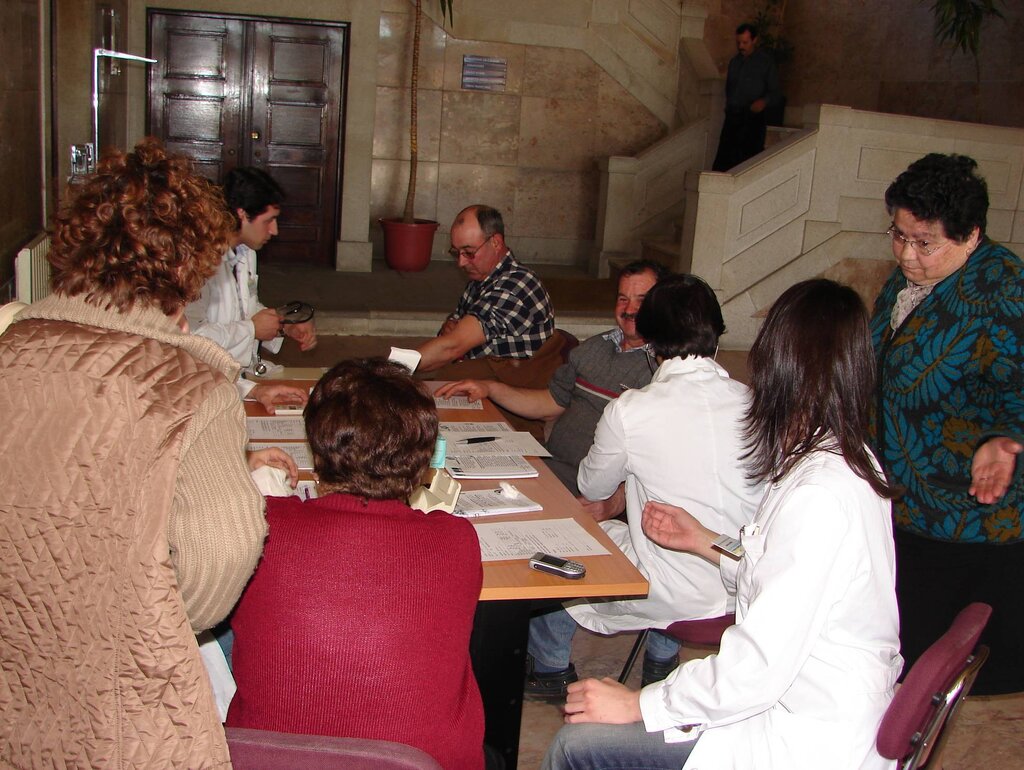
477	440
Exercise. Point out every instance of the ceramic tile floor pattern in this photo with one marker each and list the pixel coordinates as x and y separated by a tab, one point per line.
989	733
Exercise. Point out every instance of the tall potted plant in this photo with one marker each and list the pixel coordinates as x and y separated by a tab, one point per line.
408	241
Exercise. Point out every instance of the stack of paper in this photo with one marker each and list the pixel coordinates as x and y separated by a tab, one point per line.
491	502
490	467
489	450
300	452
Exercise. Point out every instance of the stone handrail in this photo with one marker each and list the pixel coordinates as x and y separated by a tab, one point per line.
813	204
643	195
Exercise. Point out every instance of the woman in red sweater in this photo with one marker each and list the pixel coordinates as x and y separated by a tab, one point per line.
358	618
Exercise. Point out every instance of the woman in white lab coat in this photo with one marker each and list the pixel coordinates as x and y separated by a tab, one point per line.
803	678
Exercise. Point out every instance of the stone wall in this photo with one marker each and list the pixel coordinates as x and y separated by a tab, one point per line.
21	128
881	55
530	150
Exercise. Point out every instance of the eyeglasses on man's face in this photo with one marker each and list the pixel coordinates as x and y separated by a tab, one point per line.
924	248
467	253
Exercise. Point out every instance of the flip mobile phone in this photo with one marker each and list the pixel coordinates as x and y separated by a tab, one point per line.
554	565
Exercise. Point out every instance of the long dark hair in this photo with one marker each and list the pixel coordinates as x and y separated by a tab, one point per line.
812	376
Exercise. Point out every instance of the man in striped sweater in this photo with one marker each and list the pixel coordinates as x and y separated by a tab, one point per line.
598	370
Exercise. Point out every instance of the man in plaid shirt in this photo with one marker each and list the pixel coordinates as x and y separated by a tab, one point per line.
504	312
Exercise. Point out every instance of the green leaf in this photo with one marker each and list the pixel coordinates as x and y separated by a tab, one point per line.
447	11
958	22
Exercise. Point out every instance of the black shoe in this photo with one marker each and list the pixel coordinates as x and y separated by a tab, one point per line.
656	670
549	686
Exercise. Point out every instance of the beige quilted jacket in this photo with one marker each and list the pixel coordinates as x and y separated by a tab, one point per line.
127	522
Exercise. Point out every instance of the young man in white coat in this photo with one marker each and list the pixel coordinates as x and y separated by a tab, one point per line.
229	311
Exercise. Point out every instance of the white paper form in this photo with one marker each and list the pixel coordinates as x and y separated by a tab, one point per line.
481	444
522	539
489	467
452	402
447	426
457	402
275	428
301	453
493	502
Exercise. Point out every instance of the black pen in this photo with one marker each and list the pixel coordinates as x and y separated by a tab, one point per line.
477	440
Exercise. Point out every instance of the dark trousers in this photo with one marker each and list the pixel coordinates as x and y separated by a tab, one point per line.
937	579
742	137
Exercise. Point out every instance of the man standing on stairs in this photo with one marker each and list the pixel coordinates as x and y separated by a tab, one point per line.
597	371
751	86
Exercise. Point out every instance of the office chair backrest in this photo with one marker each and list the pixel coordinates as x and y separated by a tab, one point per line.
266	750
569	342
914	724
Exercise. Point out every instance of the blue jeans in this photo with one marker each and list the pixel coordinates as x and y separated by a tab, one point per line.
225	637
592	746
551	642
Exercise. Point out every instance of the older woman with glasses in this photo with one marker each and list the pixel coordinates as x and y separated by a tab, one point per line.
947	330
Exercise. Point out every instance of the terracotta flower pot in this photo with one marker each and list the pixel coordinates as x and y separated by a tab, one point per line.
407	247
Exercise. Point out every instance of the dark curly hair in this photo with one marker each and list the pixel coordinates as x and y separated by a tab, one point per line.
145	228
942	188
251	189
680	316
371	428
812	378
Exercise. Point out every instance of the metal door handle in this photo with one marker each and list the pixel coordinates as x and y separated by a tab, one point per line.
254	135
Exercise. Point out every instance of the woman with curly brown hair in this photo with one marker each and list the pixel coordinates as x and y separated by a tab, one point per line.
128	520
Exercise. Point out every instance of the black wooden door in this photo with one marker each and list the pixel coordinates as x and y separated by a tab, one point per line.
240	91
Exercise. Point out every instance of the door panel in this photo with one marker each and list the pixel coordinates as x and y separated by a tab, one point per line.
195	88
236	91
297	117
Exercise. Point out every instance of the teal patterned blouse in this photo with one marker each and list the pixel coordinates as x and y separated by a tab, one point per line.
949	378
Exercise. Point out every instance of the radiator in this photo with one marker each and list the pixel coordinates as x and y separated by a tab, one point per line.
32	270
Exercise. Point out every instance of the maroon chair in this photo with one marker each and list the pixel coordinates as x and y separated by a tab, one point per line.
266	750
913	729
706	632
569	341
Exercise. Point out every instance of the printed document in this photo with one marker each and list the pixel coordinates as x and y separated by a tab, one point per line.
489	467
275	428
522	539
300	452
